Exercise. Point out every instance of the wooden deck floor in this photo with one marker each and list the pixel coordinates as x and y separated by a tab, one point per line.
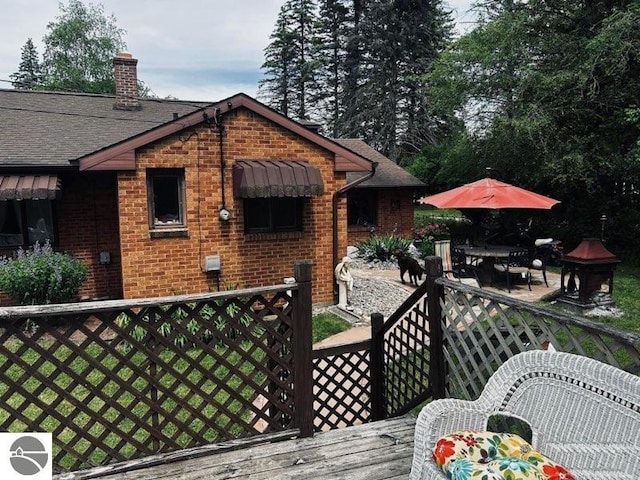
373	451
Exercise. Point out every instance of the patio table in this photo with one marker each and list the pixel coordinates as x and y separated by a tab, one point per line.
487	256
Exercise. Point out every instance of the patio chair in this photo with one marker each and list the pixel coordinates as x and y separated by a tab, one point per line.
455	266
458	240
518	263
540	263
582	413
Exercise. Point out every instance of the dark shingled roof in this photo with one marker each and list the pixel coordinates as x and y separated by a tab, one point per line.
50	129
388	173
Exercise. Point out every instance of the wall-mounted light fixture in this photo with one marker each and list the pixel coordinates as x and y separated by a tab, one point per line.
224	214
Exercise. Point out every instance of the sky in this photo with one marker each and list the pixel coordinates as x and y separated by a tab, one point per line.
187	49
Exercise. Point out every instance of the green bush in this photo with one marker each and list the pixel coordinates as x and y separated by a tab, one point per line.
425	248
383	248
40	276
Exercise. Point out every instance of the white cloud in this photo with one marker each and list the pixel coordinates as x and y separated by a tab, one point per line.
191	49
169	38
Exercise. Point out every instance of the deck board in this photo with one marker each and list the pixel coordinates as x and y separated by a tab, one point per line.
375	451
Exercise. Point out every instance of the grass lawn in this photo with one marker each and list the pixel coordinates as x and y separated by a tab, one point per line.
93	391
327	324
428	214
626	295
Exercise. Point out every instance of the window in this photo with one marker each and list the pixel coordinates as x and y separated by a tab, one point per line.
166	198
273	214
25	222
362	208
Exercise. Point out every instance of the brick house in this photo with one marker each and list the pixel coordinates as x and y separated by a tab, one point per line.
163	197
382	203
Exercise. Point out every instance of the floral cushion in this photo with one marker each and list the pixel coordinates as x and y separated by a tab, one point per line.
470	455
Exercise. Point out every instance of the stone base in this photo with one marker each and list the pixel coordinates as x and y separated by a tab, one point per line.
598	300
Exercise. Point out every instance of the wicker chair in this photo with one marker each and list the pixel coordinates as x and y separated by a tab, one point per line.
584	414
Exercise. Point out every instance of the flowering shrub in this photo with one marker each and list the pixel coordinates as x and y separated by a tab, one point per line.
39	276
425	234
431	231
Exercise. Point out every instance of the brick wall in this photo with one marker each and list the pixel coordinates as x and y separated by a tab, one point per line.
395	214
87	223
166	266
87	216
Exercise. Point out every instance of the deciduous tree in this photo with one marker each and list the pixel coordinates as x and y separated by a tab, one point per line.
548	91
79	49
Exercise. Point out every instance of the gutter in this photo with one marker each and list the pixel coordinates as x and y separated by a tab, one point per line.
343	191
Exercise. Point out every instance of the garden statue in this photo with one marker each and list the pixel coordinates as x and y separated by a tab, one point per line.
345	282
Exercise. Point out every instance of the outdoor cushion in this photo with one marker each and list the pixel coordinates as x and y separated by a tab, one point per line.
467	455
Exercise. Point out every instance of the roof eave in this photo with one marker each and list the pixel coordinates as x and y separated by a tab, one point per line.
121	156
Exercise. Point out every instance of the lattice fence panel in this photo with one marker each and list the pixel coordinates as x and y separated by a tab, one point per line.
341	388
406	359
482	330
125	383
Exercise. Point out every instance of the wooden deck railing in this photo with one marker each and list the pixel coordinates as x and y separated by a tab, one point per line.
447	339
385	376
482	329
119	380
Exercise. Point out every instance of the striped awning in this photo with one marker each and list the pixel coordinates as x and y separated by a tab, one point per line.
275	178
29	187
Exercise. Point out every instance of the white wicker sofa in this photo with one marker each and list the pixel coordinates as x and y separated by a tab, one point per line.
584	414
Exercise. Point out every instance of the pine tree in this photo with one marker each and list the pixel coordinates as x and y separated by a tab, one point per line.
354	104
305	18
276	88
330	40
393	44
425	29
289	64
363	76
378	93
29	74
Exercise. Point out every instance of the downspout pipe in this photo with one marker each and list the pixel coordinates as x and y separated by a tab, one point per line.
336	194
218	125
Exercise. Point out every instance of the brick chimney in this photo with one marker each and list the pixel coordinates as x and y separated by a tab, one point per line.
126	79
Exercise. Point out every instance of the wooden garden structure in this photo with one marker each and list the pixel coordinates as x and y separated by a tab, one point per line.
131	384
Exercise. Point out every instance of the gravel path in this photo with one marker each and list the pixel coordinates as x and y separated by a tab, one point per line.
373	294
376	288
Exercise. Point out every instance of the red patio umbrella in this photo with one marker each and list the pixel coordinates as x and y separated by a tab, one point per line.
489	193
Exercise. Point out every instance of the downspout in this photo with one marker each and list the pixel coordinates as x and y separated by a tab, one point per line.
217	118
220	129
338	192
